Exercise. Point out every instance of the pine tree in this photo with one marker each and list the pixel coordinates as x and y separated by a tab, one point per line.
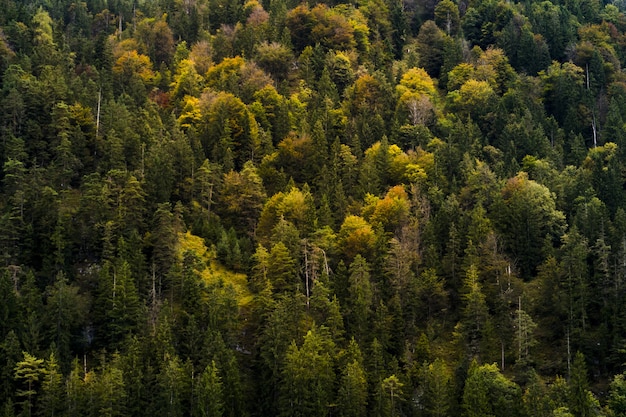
352	395
51	402
308	376
581	400
29	372
208	397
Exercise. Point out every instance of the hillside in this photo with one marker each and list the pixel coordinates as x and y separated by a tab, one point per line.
274	208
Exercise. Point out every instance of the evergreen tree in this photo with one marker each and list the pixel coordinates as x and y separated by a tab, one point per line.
308	376
29	372
208	393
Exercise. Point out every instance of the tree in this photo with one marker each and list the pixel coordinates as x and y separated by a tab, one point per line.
133	72
437	393
242	197
525	214
356	237
274	58
430	41
475	313
281	269
208	400
308	376
118	305
275	116
65	313
187	81
108	390
474	98
580	399
352	395
536	399
524	337
361	297
228	131
489	393
617	396
447	17
52	399
563	89
392	387
171	389
28	372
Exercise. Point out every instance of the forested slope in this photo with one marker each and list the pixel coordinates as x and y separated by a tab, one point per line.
370	208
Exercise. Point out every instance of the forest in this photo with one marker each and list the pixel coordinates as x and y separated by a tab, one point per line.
352	208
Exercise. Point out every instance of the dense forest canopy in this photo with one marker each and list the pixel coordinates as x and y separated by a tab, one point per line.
282	208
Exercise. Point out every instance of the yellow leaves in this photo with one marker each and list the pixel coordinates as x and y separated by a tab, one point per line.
43	28
124	46
460	75
190	114
473	96
372	151
132	63
361	34
225	70
212	272
475	93
397	159
356	236
192	243
186	80
391	211
365	91
417	81
417	94
291	206
294	205
491	66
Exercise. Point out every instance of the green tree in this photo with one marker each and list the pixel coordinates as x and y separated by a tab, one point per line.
430	41
489	393
308	376
361	297
437	393
109	391
242	197
208	400
66	310
28	372
282	271
536	399
52	399
352	395
581	400
475	313
447	17
117	305
171	391
617	396
563	90
525	214
392	388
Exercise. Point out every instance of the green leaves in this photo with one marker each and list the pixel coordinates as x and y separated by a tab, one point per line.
526	214
308	376
488	393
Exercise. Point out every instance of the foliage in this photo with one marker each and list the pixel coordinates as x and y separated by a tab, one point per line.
245	208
